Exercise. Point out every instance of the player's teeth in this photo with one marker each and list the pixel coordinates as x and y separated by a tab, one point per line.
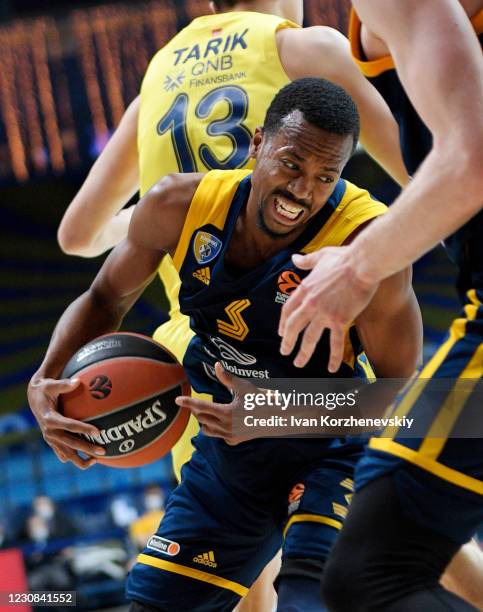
287	210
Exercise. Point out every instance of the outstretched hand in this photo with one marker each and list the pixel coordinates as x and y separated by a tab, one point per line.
216	419
57	430
330	297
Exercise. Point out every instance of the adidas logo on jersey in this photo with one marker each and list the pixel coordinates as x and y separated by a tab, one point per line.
206	559
203	275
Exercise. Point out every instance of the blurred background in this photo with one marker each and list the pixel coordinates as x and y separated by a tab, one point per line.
68	70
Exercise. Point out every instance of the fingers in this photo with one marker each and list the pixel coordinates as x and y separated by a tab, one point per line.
297	321
337	337
64	439
80	462
292	304
199	406
224	377
310	339
54	420
65	385
65	454
53	387
305	262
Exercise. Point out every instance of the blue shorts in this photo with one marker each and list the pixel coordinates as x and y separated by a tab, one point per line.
235	508
439	477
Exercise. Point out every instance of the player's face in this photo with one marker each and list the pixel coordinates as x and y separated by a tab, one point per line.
296	172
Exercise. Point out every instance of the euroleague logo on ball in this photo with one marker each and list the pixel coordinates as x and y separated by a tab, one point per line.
100	387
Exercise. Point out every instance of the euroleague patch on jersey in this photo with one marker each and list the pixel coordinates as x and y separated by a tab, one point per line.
163	545
206	247
287	282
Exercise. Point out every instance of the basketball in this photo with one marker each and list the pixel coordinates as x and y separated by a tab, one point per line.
128	386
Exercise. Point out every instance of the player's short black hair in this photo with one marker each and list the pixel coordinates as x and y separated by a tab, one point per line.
322	103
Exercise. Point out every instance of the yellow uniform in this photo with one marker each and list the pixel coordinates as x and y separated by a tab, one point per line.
202	97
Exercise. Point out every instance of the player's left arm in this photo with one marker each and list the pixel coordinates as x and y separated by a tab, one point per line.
95	220
390	328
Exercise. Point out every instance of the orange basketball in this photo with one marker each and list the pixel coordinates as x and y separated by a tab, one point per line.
128	386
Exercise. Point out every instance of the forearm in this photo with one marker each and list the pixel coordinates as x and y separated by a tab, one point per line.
111	183
382	144
113	232
428	210
441	69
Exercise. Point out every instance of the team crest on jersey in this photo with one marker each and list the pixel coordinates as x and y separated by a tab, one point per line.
203	275
206	247
287	282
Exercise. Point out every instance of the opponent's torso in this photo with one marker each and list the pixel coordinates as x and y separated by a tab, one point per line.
205	92
465	247
235	317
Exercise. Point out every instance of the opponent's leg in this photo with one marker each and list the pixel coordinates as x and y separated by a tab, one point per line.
464	575
385	561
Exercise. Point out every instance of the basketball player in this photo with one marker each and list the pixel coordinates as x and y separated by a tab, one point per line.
418	500
231	235
246	53
202	97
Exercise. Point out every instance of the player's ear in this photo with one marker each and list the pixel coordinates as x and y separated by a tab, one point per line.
256	142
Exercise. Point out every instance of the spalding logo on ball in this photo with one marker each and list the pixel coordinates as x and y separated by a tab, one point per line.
129	384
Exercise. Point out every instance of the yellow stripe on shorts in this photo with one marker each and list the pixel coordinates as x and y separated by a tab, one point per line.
456	332
176	568
438	469
311	518
443	424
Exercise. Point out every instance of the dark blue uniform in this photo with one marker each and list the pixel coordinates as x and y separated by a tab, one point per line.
452	467
237	505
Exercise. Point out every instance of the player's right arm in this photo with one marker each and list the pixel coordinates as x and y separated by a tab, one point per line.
155	229
95	220
324	52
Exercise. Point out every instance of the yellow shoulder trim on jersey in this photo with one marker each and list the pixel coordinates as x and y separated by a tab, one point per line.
210	204
368	68
176	568
477	22
374	68
311	518
355	208
434	467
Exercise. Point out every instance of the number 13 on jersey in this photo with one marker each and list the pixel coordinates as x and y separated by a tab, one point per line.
231	126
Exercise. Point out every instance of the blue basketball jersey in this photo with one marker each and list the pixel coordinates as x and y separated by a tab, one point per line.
235	317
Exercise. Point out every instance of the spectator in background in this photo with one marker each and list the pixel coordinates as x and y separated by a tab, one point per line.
47	565
58	522
122	512
146	525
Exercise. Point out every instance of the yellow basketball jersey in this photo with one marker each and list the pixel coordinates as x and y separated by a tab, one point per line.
205	92
202	97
